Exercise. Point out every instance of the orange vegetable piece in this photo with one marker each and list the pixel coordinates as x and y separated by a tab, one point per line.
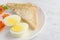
1	9
5	15
1	25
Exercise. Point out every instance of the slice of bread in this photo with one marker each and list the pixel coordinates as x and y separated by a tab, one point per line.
27	12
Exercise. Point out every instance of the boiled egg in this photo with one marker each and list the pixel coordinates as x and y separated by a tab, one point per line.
19	29
12	20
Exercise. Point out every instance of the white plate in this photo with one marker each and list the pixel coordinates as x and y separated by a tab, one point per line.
4	35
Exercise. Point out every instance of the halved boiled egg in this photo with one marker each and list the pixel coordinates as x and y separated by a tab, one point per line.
19	29
12	20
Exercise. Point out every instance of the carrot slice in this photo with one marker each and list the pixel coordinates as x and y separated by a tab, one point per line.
1	9
5	15
1	25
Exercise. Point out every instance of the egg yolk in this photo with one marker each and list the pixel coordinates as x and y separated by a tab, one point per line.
17	28
11	21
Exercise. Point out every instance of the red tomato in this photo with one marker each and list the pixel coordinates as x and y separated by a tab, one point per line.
1	9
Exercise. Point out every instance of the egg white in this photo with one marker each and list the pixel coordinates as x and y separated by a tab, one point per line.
18	34
18	18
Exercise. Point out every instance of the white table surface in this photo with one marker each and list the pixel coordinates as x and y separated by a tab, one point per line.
51	31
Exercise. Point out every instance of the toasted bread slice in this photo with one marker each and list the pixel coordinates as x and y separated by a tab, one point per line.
14	5
27	12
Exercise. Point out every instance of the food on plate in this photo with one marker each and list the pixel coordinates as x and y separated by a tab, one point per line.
5	15
27	12
5	7
12	5
1	25
18	29
12	20
1	9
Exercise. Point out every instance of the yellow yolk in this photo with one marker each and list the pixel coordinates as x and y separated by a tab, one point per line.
11	21
17	28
